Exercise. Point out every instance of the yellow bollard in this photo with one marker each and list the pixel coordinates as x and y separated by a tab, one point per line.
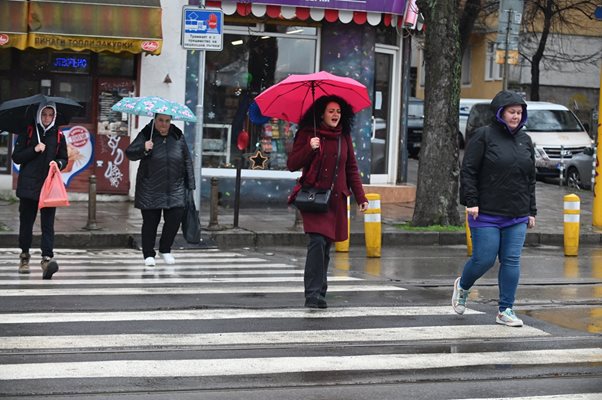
344	245
468	236
571	224
372	226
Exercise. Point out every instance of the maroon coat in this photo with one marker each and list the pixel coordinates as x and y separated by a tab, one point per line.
332	224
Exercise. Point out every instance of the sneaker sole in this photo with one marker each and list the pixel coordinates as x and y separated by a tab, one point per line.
51	269
24	271
512	324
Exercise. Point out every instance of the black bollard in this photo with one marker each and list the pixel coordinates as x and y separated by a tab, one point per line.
91	224
213	204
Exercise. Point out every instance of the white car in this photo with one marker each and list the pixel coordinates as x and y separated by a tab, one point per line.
465	106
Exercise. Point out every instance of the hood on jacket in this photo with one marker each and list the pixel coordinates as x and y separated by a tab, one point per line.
41	107
504	99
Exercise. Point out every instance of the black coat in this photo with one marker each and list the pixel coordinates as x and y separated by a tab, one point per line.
34	166
498	169
165	172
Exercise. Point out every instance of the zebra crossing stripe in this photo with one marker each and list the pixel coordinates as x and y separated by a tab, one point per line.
140	262
573	396
281	365
399	334
224	313
166	280
129	291
158	268
157	274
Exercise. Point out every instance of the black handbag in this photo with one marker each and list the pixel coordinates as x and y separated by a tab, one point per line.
191	226
312	199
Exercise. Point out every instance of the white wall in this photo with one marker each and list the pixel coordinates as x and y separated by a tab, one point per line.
563	72
153	69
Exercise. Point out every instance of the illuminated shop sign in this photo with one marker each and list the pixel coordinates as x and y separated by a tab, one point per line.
71	62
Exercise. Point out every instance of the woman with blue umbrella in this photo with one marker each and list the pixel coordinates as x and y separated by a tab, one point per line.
164	175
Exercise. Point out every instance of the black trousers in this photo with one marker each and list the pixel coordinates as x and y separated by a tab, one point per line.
28	210
172	217
316	265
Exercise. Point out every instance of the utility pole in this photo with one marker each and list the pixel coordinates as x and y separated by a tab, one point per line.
198	137
507	43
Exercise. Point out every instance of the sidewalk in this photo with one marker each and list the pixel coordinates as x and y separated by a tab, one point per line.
119	224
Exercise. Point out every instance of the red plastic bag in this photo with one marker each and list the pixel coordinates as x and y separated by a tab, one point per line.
53	192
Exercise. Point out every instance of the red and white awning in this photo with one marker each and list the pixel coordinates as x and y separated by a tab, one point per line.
305	13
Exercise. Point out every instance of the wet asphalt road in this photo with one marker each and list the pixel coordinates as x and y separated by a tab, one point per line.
235	324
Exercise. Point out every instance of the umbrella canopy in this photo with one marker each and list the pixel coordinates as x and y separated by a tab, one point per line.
290	98
17	114
148	106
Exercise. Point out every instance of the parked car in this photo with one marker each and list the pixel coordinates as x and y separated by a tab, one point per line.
378	141
556	133
578	170
465	106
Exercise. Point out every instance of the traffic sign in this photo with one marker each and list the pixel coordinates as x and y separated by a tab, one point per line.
202	29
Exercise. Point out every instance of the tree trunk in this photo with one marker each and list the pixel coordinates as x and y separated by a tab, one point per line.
538	56
437	189
470	13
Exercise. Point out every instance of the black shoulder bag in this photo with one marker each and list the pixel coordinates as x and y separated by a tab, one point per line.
311	199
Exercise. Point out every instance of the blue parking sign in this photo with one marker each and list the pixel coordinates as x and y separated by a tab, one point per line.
202	29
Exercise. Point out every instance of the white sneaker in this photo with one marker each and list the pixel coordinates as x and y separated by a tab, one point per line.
149	261
168	258
508	318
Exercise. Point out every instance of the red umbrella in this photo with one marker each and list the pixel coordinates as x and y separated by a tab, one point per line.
290	98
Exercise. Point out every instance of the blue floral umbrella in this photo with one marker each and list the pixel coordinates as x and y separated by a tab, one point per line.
148	106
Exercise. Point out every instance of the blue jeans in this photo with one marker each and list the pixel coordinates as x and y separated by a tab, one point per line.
489	243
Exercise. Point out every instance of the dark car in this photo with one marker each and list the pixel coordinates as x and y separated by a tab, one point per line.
578	170
415	125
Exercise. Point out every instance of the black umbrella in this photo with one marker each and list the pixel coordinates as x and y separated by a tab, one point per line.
17	114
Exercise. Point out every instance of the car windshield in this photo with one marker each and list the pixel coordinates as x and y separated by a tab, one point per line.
552	121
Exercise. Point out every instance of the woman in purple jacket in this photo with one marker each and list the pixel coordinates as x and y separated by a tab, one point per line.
497	186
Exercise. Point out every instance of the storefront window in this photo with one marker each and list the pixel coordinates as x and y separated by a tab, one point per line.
250	62
110	64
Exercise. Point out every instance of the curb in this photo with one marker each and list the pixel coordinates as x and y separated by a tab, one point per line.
244	238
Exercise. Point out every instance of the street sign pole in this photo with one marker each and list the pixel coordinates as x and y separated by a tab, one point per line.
597	203
202	30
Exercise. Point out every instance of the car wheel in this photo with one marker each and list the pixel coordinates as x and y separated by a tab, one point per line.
573	179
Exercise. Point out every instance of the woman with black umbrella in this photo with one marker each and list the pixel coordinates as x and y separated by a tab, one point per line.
35	151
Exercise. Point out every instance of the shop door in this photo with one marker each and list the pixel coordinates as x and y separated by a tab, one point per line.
384	117
112	138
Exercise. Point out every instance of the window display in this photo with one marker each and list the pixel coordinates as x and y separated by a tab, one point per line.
251	61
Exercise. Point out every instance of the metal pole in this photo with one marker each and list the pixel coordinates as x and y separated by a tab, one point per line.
91	224
506	49
597	203
198	137
402	176
237	190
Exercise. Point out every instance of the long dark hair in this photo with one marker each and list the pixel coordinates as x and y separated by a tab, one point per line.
317	109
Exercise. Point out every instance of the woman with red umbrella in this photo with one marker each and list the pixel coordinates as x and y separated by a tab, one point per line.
323	138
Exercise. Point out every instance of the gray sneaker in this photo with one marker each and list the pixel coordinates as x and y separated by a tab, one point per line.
508	318
24	263
459	298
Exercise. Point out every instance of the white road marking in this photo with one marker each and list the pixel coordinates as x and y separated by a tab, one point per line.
224	313
264	338
157	274
165	280
281	365
129	291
